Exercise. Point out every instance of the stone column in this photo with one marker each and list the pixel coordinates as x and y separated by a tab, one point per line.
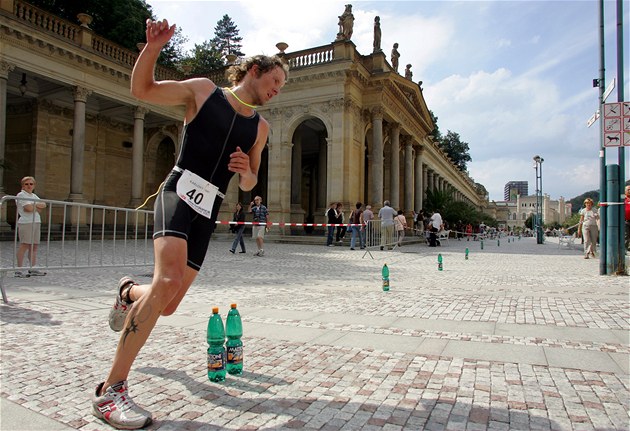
296	174
78	144
394	177
429	180
425	181
376	181
324	144
408	175
137	171
419	177
5	68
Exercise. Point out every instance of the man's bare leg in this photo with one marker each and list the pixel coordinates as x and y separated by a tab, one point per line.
171	281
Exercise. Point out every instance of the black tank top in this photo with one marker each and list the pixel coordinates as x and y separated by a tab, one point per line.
212	136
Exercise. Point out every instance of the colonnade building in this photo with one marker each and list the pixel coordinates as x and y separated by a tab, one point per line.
345	128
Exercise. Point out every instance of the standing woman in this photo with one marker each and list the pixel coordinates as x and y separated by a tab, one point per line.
588	227
239	217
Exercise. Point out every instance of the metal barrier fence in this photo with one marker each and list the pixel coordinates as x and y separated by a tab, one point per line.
377	235
77	235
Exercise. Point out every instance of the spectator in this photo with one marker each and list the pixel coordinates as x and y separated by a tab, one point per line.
400	224
331	220
356	218
340	221
589	217
436	224
28	226
239	218
387	214
261	216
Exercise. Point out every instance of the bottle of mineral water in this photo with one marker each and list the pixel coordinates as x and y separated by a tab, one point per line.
216	349
385	276
234	345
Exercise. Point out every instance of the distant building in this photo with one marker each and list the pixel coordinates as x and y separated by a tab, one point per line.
512	214
513	189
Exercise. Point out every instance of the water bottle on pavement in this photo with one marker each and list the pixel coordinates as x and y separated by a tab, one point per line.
466	258
440	262
216	349
234	345
385	275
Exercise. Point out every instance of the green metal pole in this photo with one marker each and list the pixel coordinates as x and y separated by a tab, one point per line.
602	149
612	233
621	157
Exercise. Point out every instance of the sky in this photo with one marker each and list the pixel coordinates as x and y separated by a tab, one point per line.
513	78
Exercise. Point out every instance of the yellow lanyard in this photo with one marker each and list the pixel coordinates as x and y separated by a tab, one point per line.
238	98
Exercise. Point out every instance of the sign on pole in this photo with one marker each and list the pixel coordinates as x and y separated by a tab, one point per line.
616	124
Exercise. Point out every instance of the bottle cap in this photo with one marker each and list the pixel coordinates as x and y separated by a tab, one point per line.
215	310
232	305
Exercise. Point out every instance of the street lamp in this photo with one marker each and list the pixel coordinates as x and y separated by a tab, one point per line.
538	161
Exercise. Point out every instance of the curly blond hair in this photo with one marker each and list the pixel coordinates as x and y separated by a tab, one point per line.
237	72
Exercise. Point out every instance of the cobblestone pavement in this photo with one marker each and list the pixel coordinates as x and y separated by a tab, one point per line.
519	336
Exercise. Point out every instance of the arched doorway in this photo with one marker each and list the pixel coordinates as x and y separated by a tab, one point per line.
308	172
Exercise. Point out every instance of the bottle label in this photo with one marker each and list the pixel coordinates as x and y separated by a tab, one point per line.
216	361
234	354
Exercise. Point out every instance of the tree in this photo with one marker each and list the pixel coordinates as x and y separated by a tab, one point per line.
204	58
456	149
226	38
435	133
172	54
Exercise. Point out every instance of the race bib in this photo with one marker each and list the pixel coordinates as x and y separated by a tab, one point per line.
198	193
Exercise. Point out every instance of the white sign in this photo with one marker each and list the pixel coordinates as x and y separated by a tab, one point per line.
593	118
609	90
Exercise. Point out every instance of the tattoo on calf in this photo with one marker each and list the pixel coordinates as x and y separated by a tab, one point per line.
134	321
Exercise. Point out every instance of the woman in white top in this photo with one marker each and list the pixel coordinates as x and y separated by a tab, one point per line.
588	227
28	225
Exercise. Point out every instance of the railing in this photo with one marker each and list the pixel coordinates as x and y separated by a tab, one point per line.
76	235
310	57
48	22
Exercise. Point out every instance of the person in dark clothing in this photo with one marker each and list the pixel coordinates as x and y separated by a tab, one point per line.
239	218
331	220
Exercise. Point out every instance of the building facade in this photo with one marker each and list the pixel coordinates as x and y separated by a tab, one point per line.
346	127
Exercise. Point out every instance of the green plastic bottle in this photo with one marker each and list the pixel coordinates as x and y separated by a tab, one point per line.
466	253
440	267
216	348
234	344
385	275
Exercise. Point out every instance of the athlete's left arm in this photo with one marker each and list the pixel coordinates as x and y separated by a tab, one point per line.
247	164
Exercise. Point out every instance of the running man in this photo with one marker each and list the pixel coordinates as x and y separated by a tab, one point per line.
223	135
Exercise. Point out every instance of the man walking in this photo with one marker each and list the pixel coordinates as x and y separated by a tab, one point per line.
261	215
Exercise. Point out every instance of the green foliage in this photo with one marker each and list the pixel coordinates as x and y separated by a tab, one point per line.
456	149
454	211
204	58
226	39
529	222
172	53
435	133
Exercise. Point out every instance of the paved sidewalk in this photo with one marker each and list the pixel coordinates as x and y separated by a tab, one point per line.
519	336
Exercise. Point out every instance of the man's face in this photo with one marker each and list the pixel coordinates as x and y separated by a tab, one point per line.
268	85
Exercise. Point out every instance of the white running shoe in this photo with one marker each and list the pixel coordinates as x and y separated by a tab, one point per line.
117	408
120	309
